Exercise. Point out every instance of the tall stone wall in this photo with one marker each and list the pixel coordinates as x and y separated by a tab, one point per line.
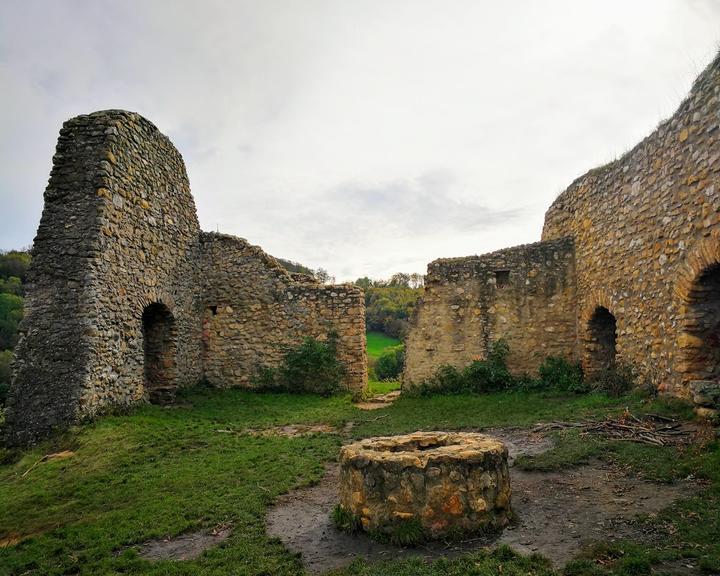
121	282
118	232
254	311
524	295
646	227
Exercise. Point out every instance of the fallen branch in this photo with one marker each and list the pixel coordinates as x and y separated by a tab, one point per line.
647	429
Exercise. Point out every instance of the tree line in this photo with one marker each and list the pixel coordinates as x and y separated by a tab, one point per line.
389	304
14	266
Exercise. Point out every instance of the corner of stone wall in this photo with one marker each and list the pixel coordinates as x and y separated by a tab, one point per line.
638	223
118	231
256	310
524	295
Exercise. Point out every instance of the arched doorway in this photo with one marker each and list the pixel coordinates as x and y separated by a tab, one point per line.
702	326
159	344
601	342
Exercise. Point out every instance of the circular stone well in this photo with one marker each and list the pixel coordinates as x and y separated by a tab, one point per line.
445	481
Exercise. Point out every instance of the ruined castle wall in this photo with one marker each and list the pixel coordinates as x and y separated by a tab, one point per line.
254	311
524	294
118	232
645	227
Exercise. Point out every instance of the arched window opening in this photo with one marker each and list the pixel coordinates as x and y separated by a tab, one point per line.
601	343
702	346
159	342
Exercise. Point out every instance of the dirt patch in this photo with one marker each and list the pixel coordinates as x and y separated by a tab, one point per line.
558	513
185	546
379	401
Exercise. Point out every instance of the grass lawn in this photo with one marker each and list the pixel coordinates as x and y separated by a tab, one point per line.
377	342
376	387
164	471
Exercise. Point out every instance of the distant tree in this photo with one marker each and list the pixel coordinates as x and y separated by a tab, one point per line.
292	266
364	282
400	280
12	285
6	357
11	311
323	276
389	304
14	263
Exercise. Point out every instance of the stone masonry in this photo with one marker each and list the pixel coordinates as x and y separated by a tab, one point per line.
525	295
443	481
128	300
643	285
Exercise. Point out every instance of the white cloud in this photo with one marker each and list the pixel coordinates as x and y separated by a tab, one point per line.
364	137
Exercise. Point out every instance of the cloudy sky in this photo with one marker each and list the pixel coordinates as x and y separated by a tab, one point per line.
363	136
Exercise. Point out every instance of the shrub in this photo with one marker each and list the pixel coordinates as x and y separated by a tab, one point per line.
311	368
491	375
5	373
617	379
390	364
446	380
345	520
480	376
559	374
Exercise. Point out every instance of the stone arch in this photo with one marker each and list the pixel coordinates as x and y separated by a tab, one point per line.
698	292
160	348
599	337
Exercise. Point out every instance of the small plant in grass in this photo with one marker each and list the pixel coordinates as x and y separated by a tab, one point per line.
345	520
558	374
312	368
402	533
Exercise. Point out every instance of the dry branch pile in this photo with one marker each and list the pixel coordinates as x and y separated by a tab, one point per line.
646	429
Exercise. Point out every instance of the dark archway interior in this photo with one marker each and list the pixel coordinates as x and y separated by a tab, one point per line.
602	340
704	323
159	342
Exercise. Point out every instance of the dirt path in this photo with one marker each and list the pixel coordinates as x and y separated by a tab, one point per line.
559	513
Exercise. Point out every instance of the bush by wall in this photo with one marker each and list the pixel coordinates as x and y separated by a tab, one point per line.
390	364
617	379
311	368
480	376
558	374
492	375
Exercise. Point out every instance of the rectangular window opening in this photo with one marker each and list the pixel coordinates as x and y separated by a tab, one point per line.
502	278
213	309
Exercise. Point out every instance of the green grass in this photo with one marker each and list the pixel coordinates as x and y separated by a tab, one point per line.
377	342
382	387
160	472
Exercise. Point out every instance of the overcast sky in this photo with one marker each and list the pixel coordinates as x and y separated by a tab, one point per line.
363	136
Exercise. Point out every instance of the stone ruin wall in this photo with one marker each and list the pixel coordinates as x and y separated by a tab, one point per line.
118	239
524	295
254	310
645	228
646	232
118	231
